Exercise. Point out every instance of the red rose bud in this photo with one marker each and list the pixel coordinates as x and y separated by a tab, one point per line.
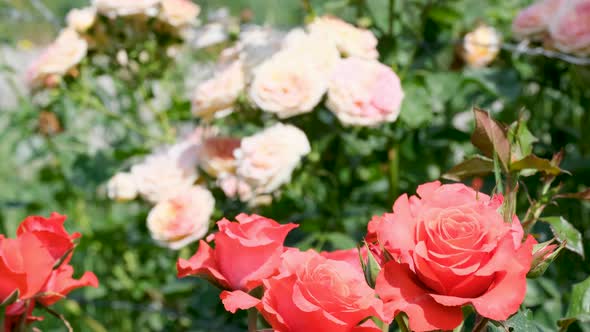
543	255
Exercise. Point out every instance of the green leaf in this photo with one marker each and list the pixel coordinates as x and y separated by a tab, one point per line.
13	297
566	232
490	136
370	268
340	240
416	110
543	255
476	166
535	164
579	307
522	139
522	320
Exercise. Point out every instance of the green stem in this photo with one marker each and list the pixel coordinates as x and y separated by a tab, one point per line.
252	320
481	325
393	156
391	12
401	323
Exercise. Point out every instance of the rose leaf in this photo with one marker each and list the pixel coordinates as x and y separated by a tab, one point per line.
579	307
566	232
476	166
490	136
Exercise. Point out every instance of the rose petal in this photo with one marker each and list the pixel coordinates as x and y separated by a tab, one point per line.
232	301
202	263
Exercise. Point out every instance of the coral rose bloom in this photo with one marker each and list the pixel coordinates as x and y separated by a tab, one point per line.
570	31
534	20
182	219
364	92
451	247
246	252
310	292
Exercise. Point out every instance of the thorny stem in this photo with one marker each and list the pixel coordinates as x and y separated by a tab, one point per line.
60	317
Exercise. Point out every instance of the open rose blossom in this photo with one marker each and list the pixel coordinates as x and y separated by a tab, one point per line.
81	19
218	94
533	21
179	13
364	93
570	30
312	49
267	159
246	252
451	247
350	40
61	56
287	85
28	267
312	291
481	46
216	155
181	219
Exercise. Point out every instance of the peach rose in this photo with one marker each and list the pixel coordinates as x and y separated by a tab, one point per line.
481	46
534	20
287	85
448	248
267	159
364	92
181	219
570	30
65	53
219	93
164	173
122	187
179	13
312	291
216	155
114	8
81	19
350	40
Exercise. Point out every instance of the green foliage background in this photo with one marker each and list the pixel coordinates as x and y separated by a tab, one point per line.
350	175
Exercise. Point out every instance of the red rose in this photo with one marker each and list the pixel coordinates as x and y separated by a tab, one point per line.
451	247
51	232
245	252
312	291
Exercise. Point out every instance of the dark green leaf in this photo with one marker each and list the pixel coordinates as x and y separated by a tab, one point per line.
566	232
476	166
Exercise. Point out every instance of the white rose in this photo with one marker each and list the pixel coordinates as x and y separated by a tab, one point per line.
179	12
481	46
364	92
164	173
350	40
181	219
114	8
267	159
323	55
81	19
287	85
122	187
220	92
65	53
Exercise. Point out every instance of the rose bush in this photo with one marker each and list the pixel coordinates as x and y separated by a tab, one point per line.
450	247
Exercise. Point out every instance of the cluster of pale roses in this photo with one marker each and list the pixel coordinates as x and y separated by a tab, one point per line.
63	56
560	24
249	169
330	57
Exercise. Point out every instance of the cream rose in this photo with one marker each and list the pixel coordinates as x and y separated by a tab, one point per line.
216	155
234	187
313	49
287	85
81	19
570	30
65	53
114	8
481	46
364	92
219	93
533	21
350	40
181	219
164	173
122	187
267	159
179	12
